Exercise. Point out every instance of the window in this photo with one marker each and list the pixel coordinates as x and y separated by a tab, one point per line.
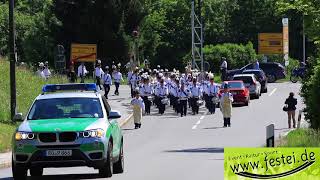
245	79
66	108
234	85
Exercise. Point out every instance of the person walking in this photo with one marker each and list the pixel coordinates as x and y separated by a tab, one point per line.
138	108
257	65
82	71
99	73
226	106
195	96
161	92
183	95
146	92
117	76
107	82
72	76
291	103
212	92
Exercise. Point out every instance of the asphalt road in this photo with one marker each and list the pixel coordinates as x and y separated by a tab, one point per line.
191	147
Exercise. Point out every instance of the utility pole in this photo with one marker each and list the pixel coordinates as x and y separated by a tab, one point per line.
12	46
304	40
197	36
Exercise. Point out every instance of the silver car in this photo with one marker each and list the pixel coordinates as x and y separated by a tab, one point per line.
251	82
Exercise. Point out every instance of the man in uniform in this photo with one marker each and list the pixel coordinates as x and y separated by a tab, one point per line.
117	77
183	94
212	92
224	68
107	82
146	91
99	73
195	96
82	71
133	81
161	92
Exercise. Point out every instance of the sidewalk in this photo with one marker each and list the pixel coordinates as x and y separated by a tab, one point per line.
120	103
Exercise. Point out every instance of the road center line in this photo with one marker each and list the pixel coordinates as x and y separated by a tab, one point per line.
202	117
198	122
194	127
273	91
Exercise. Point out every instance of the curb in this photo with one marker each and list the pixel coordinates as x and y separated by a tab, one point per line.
7	164
125	121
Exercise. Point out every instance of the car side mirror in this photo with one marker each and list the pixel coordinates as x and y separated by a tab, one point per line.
114	115
18	117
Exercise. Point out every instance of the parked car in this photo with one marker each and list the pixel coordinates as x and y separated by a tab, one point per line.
274	71
262	78
241	94
250	81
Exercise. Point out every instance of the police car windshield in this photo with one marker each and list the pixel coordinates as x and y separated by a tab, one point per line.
60	108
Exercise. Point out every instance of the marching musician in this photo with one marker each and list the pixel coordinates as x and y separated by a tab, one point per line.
174	94
146	92
161	92
133	81
195	96
183	94
107	82
117	76
212	92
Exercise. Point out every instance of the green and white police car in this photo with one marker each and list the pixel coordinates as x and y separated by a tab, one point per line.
68	125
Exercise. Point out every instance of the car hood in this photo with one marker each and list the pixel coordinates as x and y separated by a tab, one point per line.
63	125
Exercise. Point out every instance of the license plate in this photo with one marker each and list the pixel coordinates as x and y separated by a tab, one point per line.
58	153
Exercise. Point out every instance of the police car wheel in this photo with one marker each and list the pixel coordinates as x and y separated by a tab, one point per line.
36	171
106	170
118	167
18	173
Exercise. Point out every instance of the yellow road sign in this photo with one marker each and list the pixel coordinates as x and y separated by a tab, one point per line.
270	43
83	52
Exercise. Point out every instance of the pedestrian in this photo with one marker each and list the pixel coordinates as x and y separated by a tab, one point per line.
174	94
212	92
72	75
107	82
117	77
257	65
46	70
146	92
82	71
291	103
99	73
224	68
226	105
195	96
161	93
138	108
40	70
183	95
133	81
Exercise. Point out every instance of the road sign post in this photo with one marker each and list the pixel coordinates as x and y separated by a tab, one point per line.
285	23
270	135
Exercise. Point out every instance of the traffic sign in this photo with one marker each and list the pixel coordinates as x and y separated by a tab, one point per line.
270	43
83	52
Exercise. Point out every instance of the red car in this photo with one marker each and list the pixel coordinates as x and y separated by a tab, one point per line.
241	95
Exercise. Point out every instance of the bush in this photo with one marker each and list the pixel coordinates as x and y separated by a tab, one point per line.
311	95
237	55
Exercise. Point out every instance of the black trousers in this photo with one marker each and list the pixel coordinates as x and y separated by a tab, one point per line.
98	82
116	92
223	74
175	103
81	79
106	90
131	88
211	105
194	105
161	107
183	107
206	100
226	122
147	103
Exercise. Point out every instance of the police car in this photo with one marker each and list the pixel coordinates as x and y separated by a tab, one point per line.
68	125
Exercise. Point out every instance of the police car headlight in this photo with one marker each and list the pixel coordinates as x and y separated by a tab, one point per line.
24	136
93	133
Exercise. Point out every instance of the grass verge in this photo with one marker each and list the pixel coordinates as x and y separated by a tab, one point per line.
302	138
6	131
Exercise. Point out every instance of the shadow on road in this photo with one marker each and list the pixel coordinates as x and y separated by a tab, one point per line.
214	128
198	150
61	177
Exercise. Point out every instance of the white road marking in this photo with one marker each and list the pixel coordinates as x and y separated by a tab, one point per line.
198	122
202	117
194	127
273	91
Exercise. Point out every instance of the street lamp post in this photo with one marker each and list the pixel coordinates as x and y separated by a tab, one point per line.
12	47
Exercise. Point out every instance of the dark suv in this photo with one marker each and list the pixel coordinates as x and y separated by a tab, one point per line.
274	71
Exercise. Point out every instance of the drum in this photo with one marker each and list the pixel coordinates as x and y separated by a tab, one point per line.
165	101
150	98
200	102
215	100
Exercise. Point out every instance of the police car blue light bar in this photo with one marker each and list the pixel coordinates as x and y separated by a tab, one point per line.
69	87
